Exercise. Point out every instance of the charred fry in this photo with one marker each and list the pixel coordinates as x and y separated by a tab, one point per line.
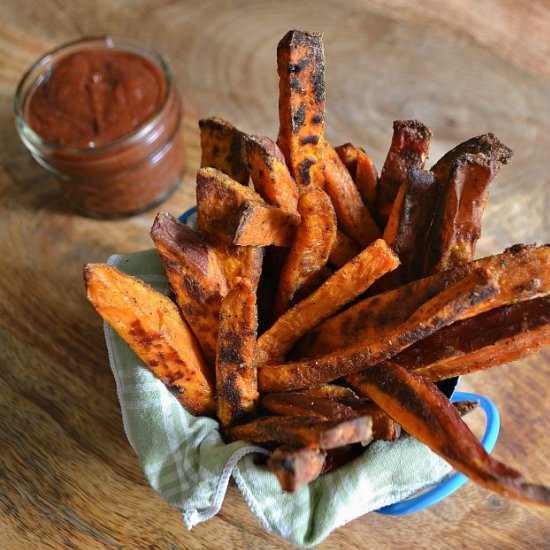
343	250
493	338
383	426
425	413
464	174
151	325
409	149
222	147
301	68
238	215
195	276
341	288
236	378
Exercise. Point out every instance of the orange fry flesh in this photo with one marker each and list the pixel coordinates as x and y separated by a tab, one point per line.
296	467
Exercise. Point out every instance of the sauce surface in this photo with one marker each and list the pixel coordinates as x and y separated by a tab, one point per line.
93	97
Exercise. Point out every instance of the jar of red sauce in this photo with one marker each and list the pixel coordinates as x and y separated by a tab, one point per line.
103	116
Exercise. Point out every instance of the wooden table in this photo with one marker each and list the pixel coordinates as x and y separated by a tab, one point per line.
68	477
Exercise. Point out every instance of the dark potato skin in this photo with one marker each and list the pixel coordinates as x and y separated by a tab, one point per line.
493	338
409	149
425	413
223	147
464	175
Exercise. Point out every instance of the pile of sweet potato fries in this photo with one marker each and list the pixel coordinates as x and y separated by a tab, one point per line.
318	304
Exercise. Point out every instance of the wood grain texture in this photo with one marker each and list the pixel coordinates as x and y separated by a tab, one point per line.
68	477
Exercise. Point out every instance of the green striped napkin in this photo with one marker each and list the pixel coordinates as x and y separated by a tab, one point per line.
186	461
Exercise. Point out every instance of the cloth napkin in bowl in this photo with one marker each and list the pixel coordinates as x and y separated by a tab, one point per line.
186	461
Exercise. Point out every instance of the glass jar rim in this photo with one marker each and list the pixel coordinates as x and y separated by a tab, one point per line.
116	43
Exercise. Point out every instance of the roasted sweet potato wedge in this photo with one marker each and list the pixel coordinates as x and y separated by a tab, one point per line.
222	147
151	325
270	174
425	413
300	404
195	276
464	174
304	431
343	250
407	227
409	149
338	290
362	170
236	377
442	310
296	467
342	394
383	426
301	68
353	216
239	261
522	272
493	338
238	215
303	269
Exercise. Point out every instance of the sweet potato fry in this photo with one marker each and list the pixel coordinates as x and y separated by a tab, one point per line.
493	338
308	255
222	147
408	225
522	272
195	276
442	310
409	149
342	394
338	290
236	377
270	174
343	250
151	325
239	261
296	467
353	216
464	174
237	214
304	431
362	171
366	179
383	426
336	458
300	404
301	68
425	413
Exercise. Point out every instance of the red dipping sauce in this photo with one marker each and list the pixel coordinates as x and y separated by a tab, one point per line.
104	117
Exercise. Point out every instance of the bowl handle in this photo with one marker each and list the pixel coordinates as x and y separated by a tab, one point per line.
450	484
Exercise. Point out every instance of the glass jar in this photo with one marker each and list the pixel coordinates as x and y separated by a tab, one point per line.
125	176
